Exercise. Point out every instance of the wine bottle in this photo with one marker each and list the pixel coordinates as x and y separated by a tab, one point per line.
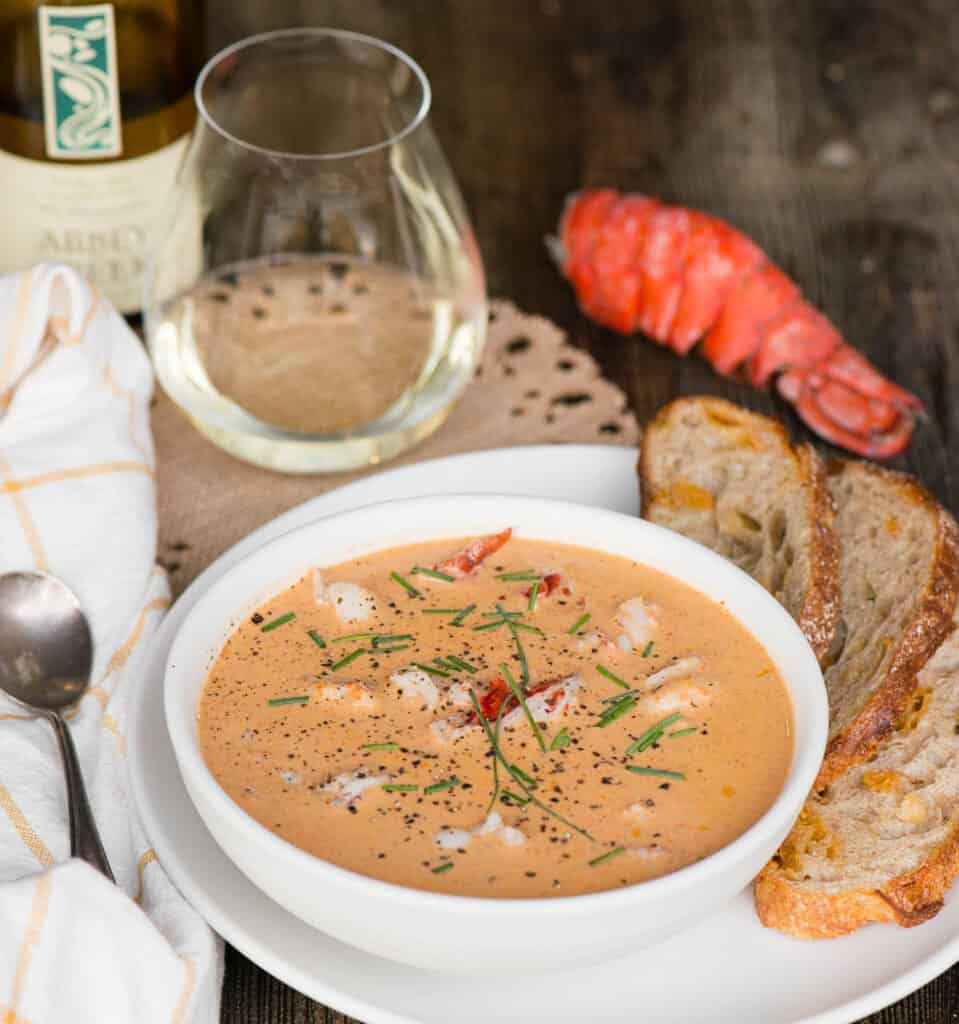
96	107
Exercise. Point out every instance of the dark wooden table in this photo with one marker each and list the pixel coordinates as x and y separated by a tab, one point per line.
827	130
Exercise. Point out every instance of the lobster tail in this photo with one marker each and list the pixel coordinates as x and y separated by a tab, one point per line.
681	277
844	399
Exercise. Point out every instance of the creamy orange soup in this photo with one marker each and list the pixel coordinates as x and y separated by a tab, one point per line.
502	717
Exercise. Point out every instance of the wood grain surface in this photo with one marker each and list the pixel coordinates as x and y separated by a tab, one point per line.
827	130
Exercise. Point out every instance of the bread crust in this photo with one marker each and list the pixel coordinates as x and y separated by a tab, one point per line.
932	623
907	900
821	607
809	914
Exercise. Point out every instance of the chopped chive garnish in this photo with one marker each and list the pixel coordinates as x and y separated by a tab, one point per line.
440	611
611	676
521	654
444	665
420	571
405	584
617	697
524	776
278	702
515	624
460	663
510	619
660	772
353	636
609	855
380	746
578	624
523	576
684	732
627	697
561	740
498	755
443	867
616	710
276	623
652	734
316	638
343	662
496	786
390	650
648	649
387	638
437	787
518	694
520	801
468	610
395	787
491	625
533	594
432	669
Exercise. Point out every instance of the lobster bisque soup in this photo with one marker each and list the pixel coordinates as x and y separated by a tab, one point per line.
370	715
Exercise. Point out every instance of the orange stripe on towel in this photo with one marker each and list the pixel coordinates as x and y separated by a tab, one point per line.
31	935
131	399
147	857
24	829
189	984
61	325
24	517
123	652
56	475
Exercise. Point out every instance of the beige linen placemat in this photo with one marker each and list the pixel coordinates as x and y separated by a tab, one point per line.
531	388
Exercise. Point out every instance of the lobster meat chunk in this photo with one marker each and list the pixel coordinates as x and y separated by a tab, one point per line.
684	277
460	565
545	700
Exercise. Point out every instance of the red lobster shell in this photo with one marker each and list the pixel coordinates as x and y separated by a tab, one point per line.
681	276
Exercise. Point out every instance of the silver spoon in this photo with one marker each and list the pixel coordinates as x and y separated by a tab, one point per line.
46	656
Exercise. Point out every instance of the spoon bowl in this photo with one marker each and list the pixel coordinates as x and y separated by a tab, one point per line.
46	658
46	648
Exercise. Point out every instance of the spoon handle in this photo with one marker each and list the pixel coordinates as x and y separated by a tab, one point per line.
84	837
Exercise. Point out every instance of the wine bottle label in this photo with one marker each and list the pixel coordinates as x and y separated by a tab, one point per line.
102	219
81	94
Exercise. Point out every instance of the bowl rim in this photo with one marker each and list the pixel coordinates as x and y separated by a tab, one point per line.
779	816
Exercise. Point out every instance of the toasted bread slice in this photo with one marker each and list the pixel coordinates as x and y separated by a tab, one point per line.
731	480
882	842
879	838
899	581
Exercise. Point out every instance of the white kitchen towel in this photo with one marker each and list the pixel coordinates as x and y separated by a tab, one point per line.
77	499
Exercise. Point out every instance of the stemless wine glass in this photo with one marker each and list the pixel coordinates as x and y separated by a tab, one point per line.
317	301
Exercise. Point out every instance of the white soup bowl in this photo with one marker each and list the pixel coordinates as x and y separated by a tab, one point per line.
458	933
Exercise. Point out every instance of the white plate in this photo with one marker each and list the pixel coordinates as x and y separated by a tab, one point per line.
727	969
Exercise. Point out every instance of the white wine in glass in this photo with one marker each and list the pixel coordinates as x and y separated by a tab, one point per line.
340	308
96	106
